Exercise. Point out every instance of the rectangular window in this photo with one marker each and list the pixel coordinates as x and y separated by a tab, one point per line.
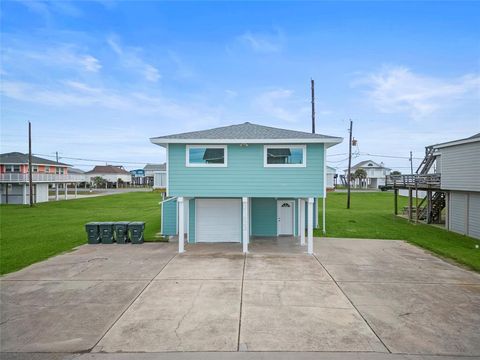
206	155
34	168
285	156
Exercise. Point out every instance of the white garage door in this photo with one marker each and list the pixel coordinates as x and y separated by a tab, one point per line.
218	220
458	213
474	215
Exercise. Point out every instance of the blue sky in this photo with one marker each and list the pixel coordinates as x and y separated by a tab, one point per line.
97	79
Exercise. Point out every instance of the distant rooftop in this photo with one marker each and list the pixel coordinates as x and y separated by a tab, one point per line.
21	158
245	131
108	169
155	167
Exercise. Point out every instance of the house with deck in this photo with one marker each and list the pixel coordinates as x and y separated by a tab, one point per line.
14	178
238	182
449	176
375	174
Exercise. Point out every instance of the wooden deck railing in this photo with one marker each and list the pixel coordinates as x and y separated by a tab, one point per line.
429	181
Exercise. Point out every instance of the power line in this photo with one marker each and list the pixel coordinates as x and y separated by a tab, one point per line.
95	160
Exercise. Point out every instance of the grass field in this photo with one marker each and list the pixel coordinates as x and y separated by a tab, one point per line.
29	235
371	217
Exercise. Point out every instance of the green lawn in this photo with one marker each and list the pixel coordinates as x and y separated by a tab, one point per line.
371	217
28	235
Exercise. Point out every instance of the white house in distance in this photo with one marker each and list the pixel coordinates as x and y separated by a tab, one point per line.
14	178
376	174
111	173
156	175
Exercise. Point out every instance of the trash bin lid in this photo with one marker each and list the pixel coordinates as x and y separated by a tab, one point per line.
93	223
137	223
122	223
107	223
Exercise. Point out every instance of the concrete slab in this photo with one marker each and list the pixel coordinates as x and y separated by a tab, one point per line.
60	316
304	328
204	267
179	315
294	293
278	267
421	318
102	262
387	261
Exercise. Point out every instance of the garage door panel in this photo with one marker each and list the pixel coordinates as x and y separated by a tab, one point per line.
474	215
458	202
218	220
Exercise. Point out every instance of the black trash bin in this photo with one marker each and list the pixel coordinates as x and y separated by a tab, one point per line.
136	230
121	232
93	232
106	232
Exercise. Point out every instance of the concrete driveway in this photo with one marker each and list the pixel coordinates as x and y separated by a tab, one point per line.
372	297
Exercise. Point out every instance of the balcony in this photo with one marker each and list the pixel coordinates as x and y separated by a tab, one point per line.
420	181
40	178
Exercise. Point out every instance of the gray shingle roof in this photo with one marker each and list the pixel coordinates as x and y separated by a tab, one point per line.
108	169
244	131
155	167
20	158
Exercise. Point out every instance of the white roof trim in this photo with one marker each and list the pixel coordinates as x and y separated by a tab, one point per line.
457	142
163	142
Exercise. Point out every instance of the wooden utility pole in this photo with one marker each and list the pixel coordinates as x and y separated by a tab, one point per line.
313	106
349	176
30	182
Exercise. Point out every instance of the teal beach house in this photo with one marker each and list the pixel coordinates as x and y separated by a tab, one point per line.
238	182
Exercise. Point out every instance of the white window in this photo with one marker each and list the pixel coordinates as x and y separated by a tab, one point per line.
12	168
59	171
206	156
47	169
34	168
284	156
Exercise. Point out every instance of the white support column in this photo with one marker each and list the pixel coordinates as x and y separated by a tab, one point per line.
302	222
75	190
323	216
181	225
310	226
56	191
299	230
66	191
24	194
245	226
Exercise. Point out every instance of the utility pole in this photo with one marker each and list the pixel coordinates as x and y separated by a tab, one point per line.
349	176
56	155
411	163
30	184
313	106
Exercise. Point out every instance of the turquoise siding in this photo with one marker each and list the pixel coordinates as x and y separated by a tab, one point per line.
245	175
191	223
169	213
264	217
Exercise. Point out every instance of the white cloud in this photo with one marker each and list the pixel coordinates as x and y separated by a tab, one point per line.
63	55
281	104
399	90
130	59
263	42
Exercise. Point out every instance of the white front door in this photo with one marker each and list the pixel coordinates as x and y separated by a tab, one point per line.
285	217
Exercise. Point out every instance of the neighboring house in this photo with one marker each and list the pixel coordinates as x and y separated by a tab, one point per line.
155	175
80	175
376	174
111	173
232	183
138	177
331	177
458	163
14	178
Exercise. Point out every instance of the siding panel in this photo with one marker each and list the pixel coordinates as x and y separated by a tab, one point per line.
474	215
245	175
458	205
169	210
264	217
460	167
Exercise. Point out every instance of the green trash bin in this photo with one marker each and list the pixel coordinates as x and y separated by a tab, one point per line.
136	229
93	233
121	232
106	232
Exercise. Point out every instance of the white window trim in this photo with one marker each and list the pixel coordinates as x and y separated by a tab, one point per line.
187	155
304	158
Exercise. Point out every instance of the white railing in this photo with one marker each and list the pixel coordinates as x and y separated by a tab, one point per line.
49	178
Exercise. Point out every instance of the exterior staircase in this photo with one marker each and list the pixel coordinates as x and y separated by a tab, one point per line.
427	161
437	204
